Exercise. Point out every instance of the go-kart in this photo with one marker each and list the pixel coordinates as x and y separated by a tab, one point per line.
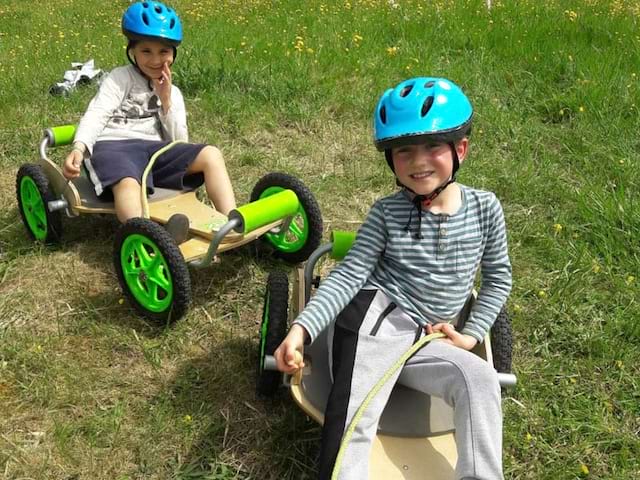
151	267
415	437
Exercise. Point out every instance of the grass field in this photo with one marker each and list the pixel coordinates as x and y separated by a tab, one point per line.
88	390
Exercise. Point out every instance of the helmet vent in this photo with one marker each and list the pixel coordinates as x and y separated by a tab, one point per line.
172	23
145	4
145	18
426	106
429	84
406	91
158	9
383	115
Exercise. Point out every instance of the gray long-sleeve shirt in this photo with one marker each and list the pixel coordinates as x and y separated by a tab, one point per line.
125	107
429	278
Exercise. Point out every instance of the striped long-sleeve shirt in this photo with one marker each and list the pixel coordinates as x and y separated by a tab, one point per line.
429	278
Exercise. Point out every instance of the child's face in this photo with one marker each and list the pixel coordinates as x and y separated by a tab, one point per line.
423	168
151	56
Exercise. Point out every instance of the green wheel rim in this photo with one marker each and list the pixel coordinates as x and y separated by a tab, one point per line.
295	237
33	208
146	273
263	330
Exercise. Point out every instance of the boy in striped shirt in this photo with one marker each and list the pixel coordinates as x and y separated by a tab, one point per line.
410	271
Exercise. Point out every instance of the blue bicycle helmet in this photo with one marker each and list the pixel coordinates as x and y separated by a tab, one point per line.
422	110
152	21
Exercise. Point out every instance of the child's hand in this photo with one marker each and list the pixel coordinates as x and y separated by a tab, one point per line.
71	167
288	357
453	336
162	86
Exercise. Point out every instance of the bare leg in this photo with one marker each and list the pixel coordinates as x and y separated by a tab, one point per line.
126	195
216	179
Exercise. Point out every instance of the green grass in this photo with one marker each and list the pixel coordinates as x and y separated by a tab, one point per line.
89	390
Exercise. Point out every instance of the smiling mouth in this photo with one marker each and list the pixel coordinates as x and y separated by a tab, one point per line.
421	175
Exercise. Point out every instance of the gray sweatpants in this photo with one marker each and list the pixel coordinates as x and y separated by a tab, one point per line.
370	334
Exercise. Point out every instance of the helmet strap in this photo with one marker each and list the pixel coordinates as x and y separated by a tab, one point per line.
132	61
456	160
421	202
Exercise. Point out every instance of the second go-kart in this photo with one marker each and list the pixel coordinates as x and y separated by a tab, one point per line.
415	437
151	267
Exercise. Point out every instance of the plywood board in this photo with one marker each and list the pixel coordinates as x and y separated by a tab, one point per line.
204	220
395	458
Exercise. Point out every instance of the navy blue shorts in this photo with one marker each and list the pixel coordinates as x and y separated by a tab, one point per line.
113	160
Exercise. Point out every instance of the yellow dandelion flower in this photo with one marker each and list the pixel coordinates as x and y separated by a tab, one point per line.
630	279
595	267
571	15
584	469
581	109
529	437
557	227
392	51
187	420
619	364
517	308
542	293
121	301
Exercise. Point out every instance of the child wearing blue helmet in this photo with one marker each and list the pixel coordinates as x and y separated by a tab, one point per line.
138	111
409	273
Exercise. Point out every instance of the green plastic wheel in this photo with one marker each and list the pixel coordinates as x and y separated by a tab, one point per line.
304	233
151	270
33	193
273	329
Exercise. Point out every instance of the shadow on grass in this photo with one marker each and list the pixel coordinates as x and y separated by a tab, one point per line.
236	434
87	293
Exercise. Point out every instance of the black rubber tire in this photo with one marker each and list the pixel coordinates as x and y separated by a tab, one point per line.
53	219
273	329
178	271
310	206
502	342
